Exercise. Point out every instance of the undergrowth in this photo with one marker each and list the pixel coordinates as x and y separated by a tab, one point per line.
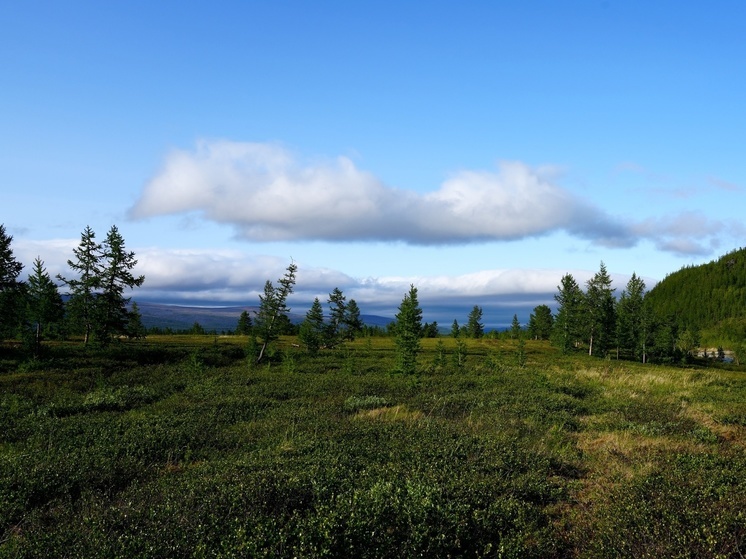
183	447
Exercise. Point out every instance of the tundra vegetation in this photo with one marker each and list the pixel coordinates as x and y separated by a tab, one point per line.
185	446
613	439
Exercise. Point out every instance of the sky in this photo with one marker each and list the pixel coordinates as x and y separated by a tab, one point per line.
477	150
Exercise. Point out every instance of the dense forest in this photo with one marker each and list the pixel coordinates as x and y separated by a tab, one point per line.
710	298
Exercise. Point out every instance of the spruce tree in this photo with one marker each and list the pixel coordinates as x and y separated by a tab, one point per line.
83	290
10	287
135	327
540	323
273	304
243	328
515	328
455	329
312	329
474	326
337	310
408	331
116	275
43	304
352	322
600	313
566	330
632	319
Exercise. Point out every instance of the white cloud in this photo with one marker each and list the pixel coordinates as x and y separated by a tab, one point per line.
686	234
267	195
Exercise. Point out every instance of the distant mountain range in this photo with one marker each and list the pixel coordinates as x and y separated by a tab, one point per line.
219	319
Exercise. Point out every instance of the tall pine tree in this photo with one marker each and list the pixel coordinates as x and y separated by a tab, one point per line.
474	325
273	305
566	331
633	324
352	322
10	287
116	276
312	328
408	331
600	313
43	304
83	289
540	323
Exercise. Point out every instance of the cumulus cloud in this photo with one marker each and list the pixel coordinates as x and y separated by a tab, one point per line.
268	195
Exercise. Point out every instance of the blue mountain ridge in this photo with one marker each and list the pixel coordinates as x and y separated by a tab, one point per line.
219	319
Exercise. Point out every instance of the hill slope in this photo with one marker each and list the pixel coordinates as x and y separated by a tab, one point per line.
705	296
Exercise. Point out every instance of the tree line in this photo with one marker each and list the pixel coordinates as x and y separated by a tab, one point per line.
640	324
95	306
637	325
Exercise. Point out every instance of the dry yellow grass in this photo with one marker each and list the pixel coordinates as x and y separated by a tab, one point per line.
393	413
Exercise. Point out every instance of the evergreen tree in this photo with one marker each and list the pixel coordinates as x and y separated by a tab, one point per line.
665	335
135	328
566	331
312	329
83	290
116	275
688	342
43	304
632	319
10	287
285	327
430	330
600	314
243	328
272	305
352	323
515	328
474	326
408	331
337	312
455	329
540	323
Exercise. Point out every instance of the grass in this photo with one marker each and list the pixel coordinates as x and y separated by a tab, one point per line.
178	446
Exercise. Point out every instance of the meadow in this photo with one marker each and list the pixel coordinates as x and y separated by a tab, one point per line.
179	446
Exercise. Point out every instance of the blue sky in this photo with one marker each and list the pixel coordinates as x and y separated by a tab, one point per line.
479	150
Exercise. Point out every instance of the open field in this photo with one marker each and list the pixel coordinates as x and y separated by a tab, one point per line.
176	446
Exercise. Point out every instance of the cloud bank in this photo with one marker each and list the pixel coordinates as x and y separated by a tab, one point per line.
213	277
268	194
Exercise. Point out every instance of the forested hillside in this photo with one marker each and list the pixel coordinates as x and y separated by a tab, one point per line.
706	297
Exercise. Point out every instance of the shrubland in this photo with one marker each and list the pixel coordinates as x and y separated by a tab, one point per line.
184	446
